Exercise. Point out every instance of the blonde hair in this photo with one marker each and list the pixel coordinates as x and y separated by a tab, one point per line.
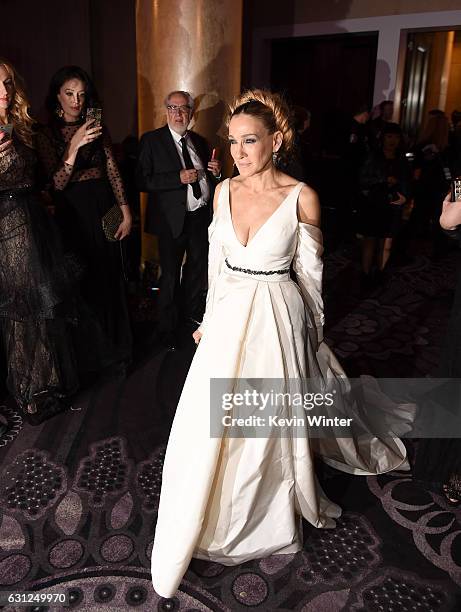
272	110
18	111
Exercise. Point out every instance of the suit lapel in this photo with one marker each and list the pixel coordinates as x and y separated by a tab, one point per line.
170	147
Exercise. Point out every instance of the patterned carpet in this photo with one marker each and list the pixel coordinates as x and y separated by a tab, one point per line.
78	495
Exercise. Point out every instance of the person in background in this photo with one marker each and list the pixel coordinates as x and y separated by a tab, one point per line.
300	164
432	178
384	183
76	155
359	133
355	150
178	171
36	298
438	460
386	113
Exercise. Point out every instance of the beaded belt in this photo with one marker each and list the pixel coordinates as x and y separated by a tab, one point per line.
263	272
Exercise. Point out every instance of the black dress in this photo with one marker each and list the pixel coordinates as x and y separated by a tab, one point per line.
83	194
439	460
378	218
36	297
430	189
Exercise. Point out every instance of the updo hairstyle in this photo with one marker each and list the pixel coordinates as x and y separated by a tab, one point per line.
272	111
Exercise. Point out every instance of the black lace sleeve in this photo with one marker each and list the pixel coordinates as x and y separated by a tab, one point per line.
112	171
52	164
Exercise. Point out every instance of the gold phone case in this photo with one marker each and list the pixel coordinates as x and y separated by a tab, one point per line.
94	114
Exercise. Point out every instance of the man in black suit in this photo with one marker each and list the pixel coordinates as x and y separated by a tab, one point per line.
177	171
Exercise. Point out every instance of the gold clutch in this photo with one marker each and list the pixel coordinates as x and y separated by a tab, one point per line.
111	222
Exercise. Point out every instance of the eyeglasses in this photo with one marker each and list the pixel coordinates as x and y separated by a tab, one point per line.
172	108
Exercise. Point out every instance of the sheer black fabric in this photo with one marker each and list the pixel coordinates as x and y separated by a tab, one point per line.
17	167
83	194
94	161
81	206
36	304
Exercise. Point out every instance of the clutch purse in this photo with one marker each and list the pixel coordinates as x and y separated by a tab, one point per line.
111	222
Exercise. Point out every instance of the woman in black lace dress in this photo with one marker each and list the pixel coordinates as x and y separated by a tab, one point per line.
77	158
36	304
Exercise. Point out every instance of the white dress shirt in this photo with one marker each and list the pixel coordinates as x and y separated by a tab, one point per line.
192	202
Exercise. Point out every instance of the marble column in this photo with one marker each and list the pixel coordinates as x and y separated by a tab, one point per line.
193	45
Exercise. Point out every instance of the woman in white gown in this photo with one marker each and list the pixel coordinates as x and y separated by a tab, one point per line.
232	499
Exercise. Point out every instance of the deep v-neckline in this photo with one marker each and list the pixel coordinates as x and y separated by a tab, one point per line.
245	246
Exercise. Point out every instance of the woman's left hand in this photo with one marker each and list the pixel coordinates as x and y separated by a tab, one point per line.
197	336
125	226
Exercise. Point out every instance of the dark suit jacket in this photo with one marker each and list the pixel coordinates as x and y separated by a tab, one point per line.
157	173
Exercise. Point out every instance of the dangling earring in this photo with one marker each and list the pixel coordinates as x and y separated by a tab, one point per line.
275	158
59	112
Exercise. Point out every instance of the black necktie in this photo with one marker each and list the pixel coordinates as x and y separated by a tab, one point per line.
190	166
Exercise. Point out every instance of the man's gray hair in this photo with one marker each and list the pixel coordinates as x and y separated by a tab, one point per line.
186	94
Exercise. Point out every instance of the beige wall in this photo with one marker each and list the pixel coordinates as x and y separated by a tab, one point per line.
440	44
268	12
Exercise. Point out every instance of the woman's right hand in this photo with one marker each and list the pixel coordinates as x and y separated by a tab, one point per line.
451	213
84	135
197	336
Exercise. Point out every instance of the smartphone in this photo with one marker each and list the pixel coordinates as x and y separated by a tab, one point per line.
456	190
6	129
94	114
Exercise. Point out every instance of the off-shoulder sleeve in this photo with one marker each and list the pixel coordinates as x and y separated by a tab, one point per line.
113	173
308	267
55	169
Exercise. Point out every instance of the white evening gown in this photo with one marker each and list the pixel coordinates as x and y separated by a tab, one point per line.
230	500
